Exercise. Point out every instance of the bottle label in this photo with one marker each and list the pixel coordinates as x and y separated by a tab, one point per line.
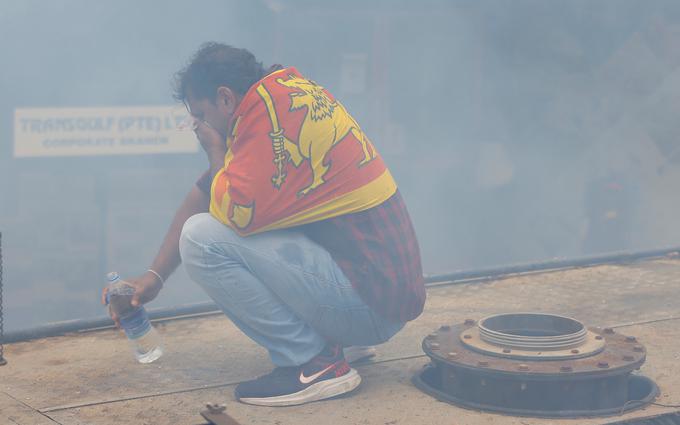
136	324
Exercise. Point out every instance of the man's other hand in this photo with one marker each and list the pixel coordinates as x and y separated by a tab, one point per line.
147	287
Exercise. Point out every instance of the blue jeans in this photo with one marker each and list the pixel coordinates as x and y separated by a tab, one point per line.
281	289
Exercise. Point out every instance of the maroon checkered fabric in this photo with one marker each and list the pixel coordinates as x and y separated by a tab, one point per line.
378	251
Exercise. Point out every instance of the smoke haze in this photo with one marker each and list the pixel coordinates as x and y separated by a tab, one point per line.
517	131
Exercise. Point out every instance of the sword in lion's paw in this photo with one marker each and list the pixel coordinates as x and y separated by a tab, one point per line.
280	157
278	144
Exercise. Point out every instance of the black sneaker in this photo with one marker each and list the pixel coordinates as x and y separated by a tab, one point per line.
326	375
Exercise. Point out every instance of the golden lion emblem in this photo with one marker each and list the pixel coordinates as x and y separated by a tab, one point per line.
325	124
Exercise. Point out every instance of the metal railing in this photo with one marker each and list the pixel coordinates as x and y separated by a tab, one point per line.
2	324
458	277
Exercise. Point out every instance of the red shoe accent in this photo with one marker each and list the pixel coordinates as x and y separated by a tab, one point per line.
341	368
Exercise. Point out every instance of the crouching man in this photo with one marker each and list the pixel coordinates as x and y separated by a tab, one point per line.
297	230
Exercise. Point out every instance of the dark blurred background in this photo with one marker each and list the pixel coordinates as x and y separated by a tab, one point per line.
517	130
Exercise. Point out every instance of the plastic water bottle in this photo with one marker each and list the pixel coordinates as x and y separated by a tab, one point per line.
143	338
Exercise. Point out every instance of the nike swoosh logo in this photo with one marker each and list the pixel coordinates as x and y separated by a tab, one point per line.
307	379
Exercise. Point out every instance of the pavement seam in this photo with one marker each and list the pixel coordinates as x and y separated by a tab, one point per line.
31	408
191	389
227	384
646	322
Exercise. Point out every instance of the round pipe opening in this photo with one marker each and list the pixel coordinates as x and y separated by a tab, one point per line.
532	331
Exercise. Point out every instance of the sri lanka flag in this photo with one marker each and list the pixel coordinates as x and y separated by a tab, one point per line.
295	156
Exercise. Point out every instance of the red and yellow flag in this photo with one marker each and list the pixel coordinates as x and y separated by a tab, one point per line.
295	156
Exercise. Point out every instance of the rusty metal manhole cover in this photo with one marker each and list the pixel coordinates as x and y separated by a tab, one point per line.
535	364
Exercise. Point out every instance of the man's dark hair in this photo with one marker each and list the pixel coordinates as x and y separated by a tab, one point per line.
215	65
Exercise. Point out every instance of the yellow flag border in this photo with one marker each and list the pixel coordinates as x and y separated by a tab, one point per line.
380	190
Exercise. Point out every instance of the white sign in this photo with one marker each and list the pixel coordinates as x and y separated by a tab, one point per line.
101	131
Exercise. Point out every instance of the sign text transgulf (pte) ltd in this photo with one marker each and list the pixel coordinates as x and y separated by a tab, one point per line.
101	131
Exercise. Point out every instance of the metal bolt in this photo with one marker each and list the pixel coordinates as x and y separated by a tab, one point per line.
631	339
482	363
608	330
566	369
575	351
445	328
452	355
523	367
469	322
466	336
523	386
628	358
434	345
507	350
638	348
603	365
598	337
